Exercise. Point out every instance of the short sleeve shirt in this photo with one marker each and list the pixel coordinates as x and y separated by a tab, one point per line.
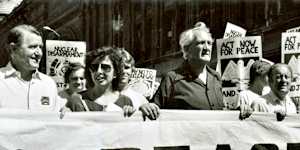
181	89
246	97
38	94
271	103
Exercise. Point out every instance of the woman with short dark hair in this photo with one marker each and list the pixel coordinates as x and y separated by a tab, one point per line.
102	72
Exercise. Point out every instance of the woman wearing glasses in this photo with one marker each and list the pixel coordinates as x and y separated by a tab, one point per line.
102	72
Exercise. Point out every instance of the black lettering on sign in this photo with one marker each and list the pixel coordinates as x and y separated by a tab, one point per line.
61	84
226	48
296	99
121	149
293	146
233	34
173	148
229	93
264	147
223	147
65	52
298	45
289	43
247	47
144	74
295	88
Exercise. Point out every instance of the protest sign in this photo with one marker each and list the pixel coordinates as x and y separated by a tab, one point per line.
290	51
295	94
233	31
236	55
296	29
177	129
59	54
156	86
230	97
142	80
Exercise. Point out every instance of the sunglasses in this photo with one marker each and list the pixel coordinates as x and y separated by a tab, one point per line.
104	67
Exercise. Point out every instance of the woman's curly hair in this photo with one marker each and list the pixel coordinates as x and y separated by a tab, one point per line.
99	55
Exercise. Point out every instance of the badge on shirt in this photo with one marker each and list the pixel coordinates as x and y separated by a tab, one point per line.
45	100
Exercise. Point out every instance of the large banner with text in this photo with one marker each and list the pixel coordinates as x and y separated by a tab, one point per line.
180	130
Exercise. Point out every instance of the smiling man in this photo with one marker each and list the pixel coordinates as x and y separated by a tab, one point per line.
277	101
194	85
22	86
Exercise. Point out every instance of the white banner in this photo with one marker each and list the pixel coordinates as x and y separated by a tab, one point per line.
194	130
61	53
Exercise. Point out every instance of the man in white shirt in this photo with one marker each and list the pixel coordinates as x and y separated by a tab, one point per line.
258	84
277	101
22	86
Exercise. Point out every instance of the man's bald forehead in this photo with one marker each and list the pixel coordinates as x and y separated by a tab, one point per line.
278	66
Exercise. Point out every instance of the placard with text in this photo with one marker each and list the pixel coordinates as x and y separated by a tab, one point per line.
142	80
290	51
59	54
233	31
236	55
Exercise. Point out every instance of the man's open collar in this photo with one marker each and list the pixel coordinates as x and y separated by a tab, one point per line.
186	71
11	71
274	98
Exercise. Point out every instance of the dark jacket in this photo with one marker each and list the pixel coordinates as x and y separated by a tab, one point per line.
181	89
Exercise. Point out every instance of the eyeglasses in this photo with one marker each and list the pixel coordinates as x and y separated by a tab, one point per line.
127	66
104	67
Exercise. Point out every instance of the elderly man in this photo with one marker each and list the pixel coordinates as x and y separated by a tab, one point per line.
22	86
194	85
277	101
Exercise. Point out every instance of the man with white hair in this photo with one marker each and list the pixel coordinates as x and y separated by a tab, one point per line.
194	85
22	86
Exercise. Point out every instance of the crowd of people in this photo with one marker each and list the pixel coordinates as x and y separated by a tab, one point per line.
102	83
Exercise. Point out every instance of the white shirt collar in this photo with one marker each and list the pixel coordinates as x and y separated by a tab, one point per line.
276	99
202	76
11	71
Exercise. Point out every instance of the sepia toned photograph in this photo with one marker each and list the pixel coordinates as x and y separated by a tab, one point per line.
149	74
